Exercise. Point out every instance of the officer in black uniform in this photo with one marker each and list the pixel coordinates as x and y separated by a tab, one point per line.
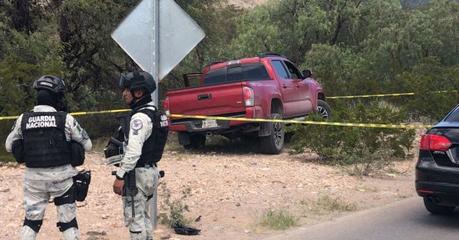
145	134
42	140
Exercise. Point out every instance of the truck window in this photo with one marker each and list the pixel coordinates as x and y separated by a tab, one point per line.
294	73
256	72
454	116
280	69
215	77
234	74
246	72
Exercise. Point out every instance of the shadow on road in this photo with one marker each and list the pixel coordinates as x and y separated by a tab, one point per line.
446	222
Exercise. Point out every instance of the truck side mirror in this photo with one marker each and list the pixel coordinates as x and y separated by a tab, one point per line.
307	74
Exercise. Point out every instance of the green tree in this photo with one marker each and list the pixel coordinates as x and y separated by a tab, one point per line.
89	53
27	58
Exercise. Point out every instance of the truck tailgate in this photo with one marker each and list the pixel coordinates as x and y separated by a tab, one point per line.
209	100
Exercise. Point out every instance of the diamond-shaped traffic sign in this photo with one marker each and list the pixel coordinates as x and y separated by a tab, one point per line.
176	31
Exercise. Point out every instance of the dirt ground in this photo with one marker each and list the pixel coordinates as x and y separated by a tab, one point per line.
231	190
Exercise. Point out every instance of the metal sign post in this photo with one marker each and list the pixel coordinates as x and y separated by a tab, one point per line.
156	54
157	35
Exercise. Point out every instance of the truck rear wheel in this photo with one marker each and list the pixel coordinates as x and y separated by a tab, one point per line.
197	141
273	143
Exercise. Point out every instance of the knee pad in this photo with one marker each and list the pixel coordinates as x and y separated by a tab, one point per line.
68	197
35	225
64	226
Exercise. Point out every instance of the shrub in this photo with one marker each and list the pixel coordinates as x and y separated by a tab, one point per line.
278	220
172	211
352	145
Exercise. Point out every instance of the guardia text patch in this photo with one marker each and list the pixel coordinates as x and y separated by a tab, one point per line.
41	122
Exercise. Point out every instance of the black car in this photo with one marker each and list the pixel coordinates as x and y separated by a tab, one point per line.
437	170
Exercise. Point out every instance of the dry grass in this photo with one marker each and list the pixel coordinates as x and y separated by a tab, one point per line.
326	204
279	220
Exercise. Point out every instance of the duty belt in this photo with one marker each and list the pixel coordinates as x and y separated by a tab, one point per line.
147	165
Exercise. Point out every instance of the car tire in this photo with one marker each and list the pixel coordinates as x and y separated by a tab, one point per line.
197	141
436	209
323	109
273	143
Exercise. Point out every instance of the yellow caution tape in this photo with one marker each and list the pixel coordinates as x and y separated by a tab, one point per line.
8	118
388	95
372	95
77	113
99	112
317	123
361	125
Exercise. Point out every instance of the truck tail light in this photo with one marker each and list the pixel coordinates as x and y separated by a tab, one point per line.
433	142
166	106
249	96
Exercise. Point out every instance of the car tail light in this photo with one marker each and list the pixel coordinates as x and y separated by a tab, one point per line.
166	106
424	191
249	96
433	142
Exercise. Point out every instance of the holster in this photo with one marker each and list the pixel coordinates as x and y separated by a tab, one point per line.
130	188
81	182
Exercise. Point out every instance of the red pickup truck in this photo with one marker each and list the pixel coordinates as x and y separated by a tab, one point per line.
267	86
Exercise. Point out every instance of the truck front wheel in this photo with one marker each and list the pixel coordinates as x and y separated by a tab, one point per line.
323	109
273	143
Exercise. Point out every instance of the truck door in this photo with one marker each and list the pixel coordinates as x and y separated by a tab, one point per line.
287	87
303	102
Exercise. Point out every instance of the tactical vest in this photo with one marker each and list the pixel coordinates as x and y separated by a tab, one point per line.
153	147
45	144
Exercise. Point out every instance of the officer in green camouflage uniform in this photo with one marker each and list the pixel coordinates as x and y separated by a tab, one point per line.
44	135
145	134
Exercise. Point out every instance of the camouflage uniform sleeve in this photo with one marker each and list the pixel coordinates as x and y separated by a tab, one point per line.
75	132
140	130
14	135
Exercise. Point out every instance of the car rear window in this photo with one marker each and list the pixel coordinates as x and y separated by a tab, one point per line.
246	72
454	116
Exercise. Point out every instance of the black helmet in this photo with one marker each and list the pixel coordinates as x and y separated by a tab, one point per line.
138	80
51	83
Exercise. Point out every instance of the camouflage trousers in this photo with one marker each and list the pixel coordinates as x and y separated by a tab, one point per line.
140	225
36	197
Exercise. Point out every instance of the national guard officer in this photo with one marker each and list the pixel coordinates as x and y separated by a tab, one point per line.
145	134
42	139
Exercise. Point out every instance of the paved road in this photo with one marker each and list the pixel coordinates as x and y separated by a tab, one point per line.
406	219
